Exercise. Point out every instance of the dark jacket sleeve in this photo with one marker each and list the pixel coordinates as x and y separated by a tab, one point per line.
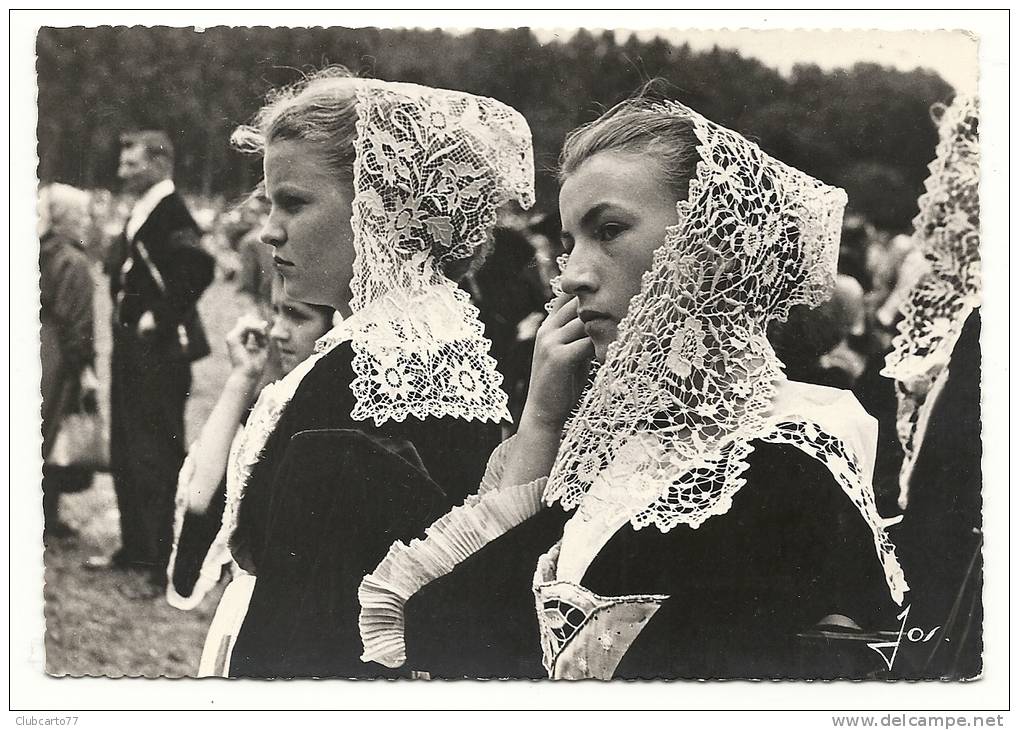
198	532
340	501
187	270
479	621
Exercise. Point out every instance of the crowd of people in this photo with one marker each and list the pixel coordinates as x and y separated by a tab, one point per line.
418	468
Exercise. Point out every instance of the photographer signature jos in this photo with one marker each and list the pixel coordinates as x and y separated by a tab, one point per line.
890	649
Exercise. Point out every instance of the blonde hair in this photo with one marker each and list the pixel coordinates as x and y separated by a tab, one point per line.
321	109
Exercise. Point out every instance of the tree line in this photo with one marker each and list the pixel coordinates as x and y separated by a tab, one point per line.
866	128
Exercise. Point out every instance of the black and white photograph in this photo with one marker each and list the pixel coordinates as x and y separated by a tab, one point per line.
647	349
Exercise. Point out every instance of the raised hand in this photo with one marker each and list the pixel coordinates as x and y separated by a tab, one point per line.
562	357
248	346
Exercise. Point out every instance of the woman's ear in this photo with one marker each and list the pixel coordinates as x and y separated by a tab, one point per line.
937	111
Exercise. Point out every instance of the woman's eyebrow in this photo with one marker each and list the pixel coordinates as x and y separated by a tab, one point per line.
588	218
291	188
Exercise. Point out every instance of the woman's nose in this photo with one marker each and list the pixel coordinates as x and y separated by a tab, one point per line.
272	233
580	273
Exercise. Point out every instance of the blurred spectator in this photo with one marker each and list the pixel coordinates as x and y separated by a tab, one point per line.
108	213
508	290
543	232
206	216
258	355
857	236
67	350
838	346
908	268
815	344
256	270
157	272
850	316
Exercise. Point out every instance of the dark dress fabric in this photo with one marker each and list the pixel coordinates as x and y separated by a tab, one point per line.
198	532
326	499
939	538
151	376
171	239
792	550
480	621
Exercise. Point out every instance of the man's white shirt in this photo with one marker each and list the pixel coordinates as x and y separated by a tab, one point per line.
146	204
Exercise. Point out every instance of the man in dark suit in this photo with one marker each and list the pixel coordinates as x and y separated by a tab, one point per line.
157	272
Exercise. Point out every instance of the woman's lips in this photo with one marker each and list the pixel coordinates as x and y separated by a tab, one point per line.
597	324
281	262
587	316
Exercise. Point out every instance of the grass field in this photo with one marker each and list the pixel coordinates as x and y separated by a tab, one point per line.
91	628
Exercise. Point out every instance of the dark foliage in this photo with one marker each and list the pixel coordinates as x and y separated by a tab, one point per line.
866	128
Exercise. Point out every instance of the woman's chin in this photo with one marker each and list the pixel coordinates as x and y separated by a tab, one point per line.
601	332
291	287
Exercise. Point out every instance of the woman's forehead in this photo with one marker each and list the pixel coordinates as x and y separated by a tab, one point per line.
289	160
613	178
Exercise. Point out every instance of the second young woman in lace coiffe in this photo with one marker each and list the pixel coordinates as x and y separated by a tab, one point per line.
690	512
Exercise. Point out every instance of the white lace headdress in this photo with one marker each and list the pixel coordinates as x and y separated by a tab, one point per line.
691	379
947	230
432	167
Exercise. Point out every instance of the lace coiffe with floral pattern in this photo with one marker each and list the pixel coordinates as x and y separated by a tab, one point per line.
432	168
947	230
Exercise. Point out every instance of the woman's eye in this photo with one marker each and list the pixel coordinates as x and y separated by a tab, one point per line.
609	231
291	203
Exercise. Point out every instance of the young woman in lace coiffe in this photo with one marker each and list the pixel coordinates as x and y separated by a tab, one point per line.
689	512
382	194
